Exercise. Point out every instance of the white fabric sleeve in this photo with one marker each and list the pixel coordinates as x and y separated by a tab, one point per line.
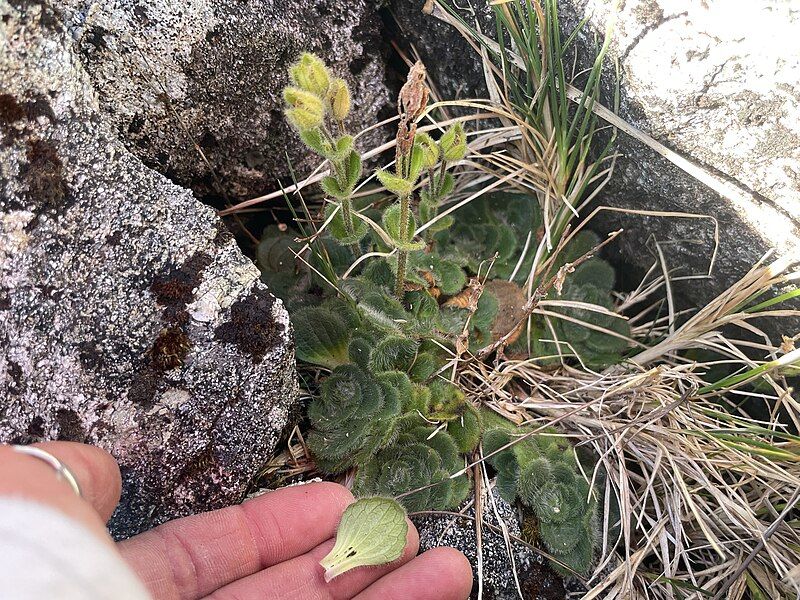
44	554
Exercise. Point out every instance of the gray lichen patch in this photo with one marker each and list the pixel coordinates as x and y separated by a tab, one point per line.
113	282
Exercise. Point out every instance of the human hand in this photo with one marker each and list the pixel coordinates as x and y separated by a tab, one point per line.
268	547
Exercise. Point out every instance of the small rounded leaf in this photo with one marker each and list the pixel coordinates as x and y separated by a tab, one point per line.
430	150
417	163
373	531
321	336
394	183
454	143
353	168
330	185
391	223
314	139
445	185
344	145
338	229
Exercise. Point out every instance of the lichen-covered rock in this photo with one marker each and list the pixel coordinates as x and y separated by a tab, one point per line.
536	580
719	88
194	88
128	317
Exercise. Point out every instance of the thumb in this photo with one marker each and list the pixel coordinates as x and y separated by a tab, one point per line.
95	471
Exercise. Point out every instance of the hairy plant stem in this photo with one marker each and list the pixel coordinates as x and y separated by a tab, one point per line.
347	215
402	255
340	170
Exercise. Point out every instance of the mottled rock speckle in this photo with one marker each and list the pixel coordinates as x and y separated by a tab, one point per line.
536	580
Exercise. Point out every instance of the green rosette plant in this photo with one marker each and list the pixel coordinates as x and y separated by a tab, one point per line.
380	340
542	472
419	459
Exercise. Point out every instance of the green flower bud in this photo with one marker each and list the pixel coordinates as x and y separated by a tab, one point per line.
429	148
339	99
310	74
302	119
454	143
306	110
299	98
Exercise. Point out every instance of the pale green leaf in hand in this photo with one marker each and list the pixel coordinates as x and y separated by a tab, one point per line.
373	531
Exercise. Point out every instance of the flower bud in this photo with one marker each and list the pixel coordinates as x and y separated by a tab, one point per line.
454	143
339	99
310	74
306	112
429	148
302	119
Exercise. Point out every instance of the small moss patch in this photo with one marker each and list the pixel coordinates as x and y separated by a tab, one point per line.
252	328
170	349
69	425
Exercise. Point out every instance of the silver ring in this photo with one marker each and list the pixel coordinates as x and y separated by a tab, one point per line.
61	469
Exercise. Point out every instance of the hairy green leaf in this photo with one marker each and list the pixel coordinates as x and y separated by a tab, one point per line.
314	139
393	352
391	223
339	231
321	337
393	183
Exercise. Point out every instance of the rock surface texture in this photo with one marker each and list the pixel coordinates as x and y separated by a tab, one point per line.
719	87
194	88
128	316
536	580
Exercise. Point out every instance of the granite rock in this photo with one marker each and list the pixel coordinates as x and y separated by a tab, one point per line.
129	318
194	88
451	62
537	581
711	85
